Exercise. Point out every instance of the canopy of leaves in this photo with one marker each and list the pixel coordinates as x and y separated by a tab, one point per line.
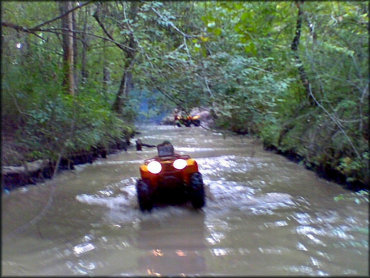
232	56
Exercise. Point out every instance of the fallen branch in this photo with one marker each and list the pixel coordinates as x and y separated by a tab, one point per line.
28	168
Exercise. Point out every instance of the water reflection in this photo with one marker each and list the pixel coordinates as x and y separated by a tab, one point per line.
83	248
172	246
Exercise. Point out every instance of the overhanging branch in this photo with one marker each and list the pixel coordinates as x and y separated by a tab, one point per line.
21	29
32	30
63	15
107	33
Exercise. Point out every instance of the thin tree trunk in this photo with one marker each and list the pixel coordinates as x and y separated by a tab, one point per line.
106	72
295	43
75	51
130	52
123	91
126	81
84	73
68	80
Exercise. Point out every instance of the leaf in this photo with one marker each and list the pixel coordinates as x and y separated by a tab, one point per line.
217	31
204	39
339	198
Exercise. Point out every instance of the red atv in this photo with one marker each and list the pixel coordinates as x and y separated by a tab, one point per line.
187	120
170	178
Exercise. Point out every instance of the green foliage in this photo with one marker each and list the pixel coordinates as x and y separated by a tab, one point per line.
41	118
264	96
355	169
269	132
234	57
65	124
359	197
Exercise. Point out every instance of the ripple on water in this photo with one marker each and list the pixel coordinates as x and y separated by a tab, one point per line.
220	164
121	200
104	198
83	248
222	196
228	195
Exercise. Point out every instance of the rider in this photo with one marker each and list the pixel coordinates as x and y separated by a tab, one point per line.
165	149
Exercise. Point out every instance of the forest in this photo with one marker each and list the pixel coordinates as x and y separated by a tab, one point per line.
293	73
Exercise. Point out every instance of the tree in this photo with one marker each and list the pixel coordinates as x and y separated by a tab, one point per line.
68	47
293	73
129	51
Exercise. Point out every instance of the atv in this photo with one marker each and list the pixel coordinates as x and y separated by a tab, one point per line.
187	120
169	178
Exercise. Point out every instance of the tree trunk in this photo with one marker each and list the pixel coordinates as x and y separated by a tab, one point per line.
84	73
123	91
126	81
67	23
75	50
106	72
294	47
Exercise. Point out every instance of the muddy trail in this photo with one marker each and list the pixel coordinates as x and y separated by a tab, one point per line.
264	215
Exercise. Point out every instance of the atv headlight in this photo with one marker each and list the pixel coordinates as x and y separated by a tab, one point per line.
180	164
154	167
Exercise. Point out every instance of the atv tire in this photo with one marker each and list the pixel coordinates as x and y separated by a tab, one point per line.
196	122
144	195
197	195
187	123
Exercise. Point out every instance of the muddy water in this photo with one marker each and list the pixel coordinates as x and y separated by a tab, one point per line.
264	215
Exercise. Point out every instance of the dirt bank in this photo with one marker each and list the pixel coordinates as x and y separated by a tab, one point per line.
32	172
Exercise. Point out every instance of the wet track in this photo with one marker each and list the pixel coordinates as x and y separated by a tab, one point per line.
264	215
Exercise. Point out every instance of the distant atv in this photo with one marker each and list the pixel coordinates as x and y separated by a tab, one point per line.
169	178
187	120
